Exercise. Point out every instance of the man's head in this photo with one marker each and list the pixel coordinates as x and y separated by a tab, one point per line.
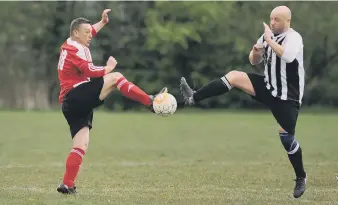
280	19
80	31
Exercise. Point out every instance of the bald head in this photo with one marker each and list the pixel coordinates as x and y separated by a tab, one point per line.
280	19
283	11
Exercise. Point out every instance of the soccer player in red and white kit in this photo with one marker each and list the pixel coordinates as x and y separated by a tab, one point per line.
84	87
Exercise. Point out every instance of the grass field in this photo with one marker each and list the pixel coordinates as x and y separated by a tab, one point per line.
195	158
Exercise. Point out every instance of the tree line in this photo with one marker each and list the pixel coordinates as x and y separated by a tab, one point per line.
155	43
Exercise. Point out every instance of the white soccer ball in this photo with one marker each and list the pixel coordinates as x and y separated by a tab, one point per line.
165	104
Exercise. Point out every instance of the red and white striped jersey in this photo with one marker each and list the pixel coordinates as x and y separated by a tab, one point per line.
76	66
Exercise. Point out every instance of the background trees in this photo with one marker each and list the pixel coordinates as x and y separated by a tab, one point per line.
156	43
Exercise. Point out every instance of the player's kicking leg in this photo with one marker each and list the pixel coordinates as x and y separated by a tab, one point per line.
216	87
285	113
127	89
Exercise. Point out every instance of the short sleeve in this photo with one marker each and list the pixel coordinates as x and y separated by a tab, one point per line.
292	46
260	40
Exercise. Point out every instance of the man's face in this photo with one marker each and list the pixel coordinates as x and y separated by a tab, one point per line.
84	34
278	23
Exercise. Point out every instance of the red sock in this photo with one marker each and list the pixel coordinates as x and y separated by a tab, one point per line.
131	91
73	163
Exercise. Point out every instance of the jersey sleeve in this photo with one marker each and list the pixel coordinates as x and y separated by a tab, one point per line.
80	60
94	32
260	40
293	44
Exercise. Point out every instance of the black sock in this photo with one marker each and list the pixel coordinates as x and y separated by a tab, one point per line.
213	88
296	160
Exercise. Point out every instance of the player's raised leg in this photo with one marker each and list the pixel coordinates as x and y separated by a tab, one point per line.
233	79
127	89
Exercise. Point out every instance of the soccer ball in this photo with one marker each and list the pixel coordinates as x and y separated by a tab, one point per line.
165	104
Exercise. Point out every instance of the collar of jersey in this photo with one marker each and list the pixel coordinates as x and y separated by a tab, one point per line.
282	34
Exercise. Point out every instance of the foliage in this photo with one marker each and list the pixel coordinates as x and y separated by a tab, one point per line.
156	43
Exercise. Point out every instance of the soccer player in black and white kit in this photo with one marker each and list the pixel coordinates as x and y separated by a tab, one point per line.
281	88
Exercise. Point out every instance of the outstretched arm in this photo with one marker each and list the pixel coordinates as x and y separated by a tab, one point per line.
99	25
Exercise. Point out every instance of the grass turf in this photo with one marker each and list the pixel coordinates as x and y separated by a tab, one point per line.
188	158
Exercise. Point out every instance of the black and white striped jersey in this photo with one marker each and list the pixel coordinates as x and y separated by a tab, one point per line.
285	75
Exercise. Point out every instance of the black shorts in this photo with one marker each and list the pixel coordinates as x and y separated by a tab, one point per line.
79	103
284	111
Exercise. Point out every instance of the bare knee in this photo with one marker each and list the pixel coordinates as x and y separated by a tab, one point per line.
112	78
240	80
110	82
281	130
234	77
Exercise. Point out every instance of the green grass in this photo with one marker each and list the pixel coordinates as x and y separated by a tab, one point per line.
194	158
